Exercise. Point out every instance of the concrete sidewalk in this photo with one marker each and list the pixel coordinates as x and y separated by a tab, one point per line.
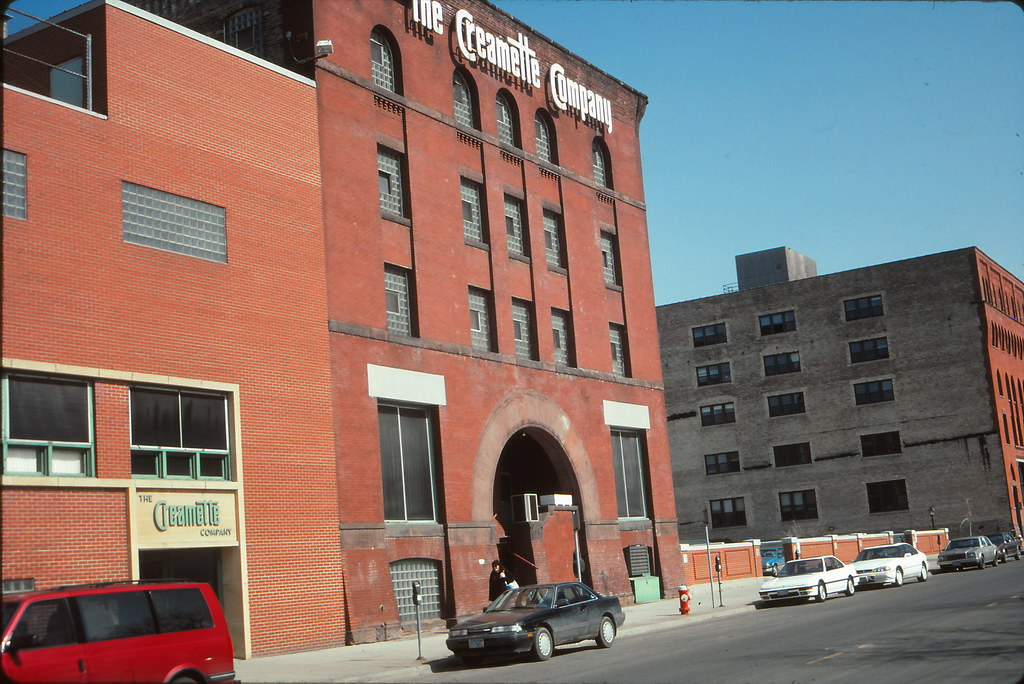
384	660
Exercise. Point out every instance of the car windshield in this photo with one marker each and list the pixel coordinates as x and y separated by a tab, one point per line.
800	567
879	552
523	598
963	543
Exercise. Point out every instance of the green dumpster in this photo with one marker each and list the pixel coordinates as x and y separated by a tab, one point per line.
646	588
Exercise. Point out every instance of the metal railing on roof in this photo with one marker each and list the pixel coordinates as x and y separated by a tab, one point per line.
23	69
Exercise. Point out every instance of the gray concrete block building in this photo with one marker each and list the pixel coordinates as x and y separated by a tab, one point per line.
881	398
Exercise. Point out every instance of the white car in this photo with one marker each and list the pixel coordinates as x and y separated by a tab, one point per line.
890	564
810	578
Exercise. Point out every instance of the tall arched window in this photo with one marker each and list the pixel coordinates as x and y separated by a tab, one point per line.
505	113
602	170
545	137
382	62
462	98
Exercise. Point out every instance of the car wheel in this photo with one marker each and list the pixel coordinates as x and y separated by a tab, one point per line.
606	634
851	586
543	644
924	573
822	593
897	580
981	562
1016	554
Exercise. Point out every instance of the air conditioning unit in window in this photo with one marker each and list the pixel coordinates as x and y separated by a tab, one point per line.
524	508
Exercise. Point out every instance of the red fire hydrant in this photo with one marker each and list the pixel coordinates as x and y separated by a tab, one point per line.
684	600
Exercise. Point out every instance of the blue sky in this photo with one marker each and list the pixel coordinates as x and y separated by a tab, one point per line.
854	132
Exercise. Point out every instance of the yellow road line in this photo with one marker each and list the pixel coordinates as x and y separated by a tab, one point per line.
818	660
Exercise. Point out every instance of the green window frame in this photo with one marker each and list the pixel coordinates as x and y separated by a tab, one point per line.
179	434
630	473
48	426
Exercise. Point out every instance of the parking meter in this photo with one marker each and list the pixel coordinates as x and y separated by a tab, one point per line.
417	595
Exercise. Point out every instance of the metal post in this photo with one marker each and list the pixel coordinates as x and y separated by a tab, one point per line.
711	577
419	637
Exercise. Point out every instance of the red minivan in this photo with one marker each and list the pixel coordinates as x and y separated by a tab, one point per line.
143	631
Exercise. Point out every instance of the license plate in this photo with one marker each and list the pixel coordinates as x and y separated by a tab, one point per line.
476	643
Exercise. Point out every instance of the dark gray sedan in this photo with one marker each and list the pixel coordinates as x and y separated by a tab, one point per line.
536	618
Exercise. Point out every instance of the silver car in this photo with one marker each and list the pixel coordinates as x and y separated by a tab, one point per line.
967	552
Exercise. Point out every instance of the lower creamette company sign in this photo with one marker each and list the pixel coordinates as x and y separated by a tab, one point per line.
186	519
515	58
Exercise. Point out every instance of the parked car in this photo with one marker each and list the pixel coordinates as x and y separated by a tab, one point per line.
810	578
116	632
890	564
1006	545
772	559
967	552
536	618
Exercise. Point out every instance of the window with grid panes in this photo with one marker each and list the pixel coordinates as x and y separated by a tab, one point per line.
522	329
480	319
777	364
48	426
600	165
514	228
873	392
397	300
718	414
715	374
617	336
505	119
786	404
382	62
728	512
158	219
887	496
869	350
472	211
783	321
880	443
553	240
462	98
15	184
561	332
609	259
179	434
244	30
545	138
389	177
407	463
792	454
798	505
726	462
705	335
863	307
630	481
428	573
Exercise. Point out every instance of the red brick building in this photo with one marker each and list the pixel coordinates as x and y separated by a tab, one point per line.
429	320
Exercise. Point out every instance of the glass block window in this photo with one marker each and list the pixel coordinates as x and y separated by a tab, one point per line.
544	137
617	337
389	176
428	573
715	374
48	426
553	250
777	364
462	99
873	392
396	293
718	414
506	119
154	218
522	329
561	332
792	454
705	335
786	404
601	175
728	512
726	462
783	321
869	350
799	505
514	227
609	259
244	30
881	443
472	214
630	479
15	184
863	307
179	434
407	463
887	496
480	319
382	63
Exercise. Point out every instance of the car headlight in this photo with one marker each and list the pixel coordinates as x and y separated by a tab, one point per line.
970	554
507	628
458	633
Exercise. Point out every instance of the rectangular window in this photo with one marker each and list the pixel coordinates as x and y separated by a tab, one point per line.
389	176
714	374
869	350
472	212
777	364
783	321
179	434
709	334
115	616
179	610
244	30
630	486
407	463
15	184
553	242
617	337
864	307
480	331
398	300
728	513
800	505
880	443
48	426
515	229
158	219
792	454
727	462
610	259
873	392
887	496
717	414
522	329
562	337
786	404
67	82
